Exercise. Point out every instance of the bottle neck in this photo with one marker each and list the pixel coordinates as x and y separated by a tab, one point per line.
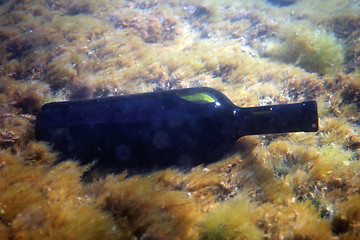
283	118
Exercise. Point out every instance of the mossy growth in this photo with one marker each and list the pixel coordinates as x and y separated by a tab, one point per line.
315	50
333	160
80	27
63	70
297	220
346	221
233	219
42	201
144	209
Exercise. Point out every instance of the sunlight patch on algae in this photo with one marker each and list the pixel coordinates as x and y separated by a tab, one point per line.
315	50
293	221
80	27
233	219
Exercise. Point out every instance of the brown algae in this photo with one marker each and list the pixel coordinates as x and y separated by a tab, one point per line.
285	186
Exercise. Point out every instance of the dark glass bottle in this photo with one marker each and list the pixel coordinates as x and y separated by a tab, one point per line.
148	131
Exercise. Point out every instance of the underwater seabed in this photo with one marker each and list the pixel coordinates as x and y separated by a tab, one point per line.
285	186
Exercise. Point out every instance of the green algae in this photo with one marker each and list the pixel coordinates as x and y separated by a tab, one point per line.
315	50
290	186
231	220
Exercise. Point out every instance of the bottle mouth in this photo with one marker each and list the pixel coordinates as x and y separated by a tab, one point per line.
310	116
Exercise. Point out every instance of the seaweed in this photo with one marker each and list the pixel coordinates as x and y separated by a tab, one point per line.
314	50
233	219
284	186
142	209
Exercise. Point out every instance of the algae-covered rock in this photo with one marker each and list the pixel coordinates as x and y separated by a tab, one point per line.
258	52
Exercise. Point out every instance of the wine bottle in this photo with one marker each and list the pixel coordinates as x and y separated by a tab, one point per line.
143	132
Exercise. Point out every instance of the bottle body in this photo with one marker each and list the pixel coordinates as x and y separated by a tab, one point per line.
185	128
141	131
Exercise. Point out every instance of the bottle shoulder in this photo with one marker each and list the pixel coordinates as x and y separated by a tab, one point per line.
176	104
213	93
